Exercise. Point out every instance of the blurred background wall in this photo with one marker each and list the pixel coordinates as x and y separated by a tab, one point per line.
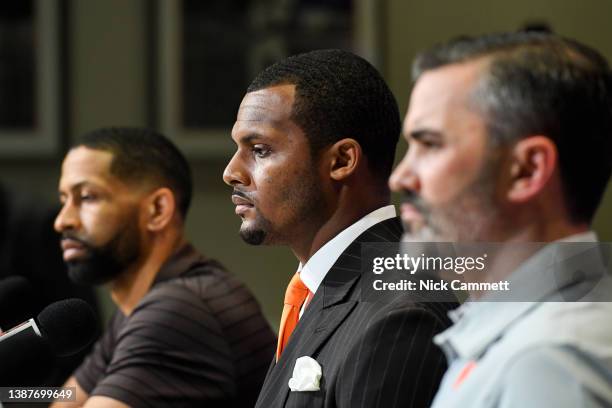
109	76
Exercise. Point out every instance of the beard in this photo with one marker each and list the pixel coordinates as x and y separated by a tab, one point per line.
304	201
469	217
255	234
105	263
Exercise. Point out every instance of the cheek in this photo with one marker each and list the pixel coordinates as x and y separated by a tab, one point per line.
273	183
100	225
269	182
444	177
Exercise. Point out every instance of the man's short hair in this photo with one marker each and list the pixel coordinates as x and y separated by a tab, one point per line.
539	83
338	95
143	155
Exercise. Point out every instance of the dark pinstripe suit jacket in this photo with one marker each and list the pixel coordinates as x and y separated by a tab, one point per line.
371	354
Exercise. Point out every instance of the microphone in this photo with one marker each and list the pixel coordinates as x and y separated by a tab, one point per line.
63	328
16	300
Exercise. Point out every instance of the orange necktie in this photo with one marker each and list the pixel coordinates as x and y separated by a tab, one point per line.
295	296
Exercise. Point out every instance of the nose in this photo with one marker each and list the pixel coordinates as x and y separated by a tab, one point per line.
404	178
235	173
67	218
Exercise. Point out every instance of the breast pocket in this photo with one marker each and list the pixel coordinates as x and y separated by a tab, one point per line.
299	399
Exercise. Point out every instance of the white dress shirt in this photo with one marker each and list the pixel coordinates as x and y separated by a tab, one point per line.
314	270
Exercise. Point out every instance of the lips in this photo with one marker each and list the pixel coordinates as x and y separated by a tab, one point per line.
239	200
242	204
410	213
72	249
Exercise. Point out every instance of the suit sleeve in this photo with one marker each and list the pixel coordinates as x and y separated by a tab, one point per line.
395	363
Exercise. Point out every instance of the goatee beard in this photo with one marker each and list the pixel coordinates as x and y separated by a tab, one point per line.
253	237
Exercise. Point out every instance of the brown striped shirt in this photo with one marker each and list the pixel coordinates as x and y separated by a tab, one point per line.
198	338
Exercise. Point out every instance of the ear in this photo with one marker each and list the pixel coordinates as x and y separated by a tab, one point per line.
533	163
161	206
345	155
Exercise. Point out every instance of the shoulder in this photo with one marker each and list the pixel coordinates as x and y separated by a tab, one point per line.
583	325
389	230
208	301
556	376
170	324
559	354
175	306
207	285
203	282
405	314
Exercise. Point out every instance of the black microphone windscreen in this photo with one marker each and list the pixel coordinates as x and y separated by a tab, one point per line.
68	325
16	301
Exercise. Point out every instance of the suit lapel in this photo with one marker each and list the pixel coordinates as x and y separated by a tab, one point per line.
319	323
326	312
332	304
338	293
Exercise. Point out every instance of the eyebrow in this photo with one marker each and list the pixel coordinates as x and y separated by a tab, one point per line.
250	138
273	123
79	185
420	134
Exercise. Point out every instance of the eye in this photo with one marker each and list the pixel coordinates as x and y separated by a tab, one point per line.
88	197
430	143
426	139
261	151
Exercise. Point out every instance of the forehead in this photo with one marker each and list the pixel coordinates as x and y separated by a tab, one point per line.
84	165
443	95
268	107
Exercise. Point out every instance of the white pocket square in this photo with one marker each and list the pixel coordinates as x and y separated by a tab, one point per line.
306	375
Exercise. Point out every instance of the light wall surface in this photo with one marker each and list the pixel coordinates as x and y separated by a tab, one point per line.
107	86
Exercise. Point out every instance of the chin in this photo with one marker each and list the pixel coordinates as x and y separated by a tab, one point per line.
83	274
420	233
95	270
253	236
257	231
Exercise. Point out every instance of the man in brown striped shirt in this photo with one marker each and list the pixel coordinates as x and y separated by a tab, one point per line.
187	333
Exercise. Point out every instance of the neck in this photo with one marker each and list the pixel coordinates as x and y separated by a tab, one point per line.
135	282
512	256
349	209
546	219
546	232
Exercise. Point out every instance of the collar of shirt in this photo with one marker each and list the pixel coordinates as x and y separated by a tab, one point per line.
313	272
478	324
182	260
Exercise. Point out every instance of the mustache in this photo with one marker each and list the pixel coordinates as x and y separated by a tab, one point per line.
73	237
246	195
412	198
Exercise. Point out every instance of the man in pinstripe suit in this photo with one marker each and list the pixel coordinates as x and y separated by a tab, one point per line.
316	136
